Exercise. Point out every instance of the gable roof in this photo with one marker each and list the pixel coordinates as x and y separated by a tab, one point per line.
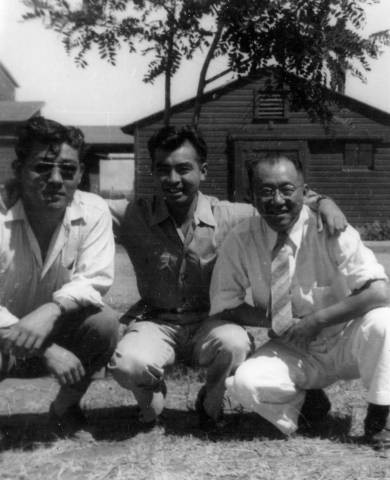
8	74
105	134
14	112
350	102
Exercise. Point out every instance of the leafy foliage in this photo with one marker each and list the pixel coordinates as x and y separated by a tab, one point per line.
375	230
313	43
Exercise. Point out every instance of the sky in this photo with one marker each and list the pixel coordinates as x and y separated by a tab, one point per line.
103	94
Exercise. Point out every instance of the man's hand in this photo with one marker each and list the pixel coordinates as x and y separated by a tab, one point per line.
64	365
27	336
330	215
304	331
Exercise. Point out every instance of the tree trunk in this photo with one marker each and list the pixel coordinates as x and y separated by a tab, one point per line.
168	70
203	73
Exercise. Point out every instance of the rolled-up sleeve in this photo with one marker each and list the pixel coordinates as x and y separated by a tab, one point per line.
93	273
230	279
355	261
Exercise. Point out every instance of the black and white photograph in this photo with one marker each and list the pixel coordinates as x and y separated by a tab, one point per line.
194	239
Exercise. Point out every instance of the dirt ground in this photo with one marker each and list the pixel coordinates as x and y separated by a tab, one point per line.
247	448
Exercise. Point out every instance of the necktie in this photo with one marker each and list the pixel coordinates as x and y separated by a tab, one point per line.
281	310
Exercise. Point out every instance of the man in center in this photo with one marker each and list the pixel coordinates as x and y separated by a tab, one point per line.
172	241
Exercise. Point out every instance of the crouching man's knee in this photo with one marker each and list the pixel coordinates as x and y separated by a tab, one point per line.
131	370
376	324
225	343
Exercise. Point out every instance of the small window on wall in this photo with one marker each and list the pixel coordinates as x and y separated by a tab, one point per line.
269	105
359	156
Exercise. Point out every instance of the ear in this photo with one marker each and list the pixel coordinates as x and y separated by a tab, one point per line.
306	189
203	170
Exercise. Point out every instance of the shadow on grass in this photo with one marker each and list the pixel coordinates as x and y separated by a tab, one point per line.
117	424
27	432
335	427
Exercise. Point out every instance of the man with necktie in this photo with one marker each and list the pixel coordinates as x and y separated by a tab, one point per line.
173	240
324	300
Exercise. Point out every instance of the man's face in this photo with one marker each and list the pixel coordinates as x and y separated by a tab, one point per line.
49	176
278	192
177	175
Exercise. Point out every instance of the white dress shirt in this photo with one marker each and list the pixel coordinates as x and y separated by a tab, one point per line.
79	264
323	269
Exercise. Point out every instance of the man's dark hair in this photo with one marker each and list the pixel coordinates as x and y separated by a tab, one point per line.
48	132
170	138
272	158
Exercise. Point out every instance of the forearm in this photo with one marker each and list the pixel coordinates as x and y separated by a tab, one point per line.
245	315
374	296
312	199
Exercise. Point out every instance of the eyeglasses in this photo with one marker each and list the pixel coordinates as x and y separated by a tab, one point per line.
285	191
44	169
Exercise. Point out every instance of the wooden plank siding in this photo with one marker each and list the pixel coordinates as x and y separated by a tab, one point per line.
363	194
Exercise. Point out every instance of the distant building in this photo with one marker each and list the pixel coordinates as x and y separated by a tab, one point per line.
12	115
109	161
350	161
109	155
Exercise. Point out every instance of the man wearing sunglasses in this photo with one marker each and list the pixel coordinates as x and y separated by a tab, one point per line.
56	261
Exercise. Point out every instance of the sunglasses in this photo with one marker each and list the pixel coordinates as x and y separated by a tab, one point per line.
67	170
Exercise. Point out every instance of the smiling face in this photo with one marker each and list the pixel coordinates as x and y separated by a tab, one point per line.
178	174
49	177
278	192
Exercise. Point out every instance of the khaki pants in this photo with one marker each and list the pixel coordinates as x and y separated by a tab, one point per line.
148	347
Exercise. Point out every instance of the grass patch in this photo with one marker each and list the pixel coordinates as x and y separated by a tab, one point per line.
247	448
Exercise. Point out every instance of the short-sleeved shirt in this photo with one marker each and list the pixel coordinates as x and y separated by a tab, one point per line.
173	272
323	269
79	265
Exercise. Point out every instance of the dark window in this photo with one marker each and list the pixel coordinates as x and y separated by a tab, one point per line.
358	156
269	105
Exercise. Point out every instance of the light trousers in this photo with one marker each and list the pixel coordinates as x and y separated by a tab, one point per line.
149	347
273	381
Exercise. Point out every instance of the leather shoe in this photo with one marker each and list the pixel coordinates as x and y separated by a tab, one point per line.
315	408
205	422
150	424
377	426
72	423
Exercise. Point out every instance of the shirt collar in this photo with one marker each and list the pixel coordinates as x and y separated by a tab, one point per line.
159	211
16	212
74	211
294	234
203	212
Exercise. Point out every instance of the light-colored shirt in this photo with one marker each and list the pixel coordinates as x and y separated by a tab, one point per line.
79	264
173	271
323	269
